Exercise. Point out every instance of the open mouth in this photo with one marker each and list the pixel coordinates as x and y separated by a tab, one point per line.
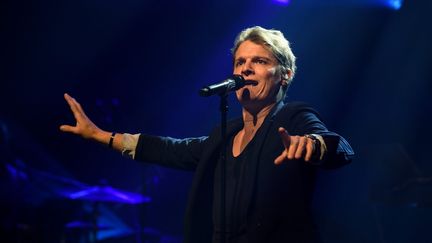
251	82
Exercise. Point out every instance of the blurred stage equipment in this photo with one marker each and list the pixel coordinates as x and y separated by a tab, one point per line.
96	195
414	192
85	225
108	194
46	188
396	179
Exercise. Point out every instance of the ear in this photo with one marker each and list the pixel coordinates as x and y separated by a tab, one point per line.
289	74
285	76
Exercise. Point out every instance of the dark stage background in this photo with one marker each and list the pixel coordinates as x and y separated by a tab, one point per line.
136	66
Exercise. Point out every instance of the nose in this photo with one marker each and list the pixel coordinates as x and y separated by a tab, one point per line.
247	69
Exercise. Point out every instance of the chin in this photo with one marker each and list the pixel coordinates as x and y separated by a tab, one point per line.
251	102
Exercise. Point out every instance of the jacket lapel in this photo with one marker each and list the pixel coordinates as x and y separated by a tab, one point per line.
200	205
254	158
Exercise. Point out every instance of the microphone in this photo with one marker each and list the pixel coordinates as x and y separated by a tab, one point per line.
232	83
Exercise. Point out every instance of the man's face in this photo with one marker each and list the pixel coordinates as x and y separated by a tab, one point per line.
256	62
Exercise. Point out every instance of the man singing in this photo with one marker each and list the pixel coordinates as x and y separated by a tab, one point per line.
274	150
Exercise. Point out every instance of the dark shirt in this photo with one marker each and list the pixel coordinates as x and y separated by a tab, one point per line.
236	172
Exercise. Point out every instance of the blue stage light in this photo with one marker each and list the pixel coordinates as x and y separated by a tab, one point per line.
282	2
395	4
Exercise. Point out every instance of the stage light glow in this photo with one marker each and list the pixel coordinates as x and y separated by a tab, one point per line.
281	2
395	4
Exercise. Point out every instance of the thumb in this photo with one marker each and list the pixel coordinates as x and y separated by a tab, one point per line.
67	128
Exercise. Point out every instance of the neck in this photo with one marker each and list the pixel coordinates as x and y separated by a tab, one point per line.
253	119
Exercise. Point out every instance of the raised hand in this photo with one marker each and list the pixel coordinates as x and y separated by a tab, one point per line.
84	127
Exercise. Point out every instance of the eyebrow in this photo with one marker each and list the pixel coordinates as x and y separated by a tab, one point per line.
255	57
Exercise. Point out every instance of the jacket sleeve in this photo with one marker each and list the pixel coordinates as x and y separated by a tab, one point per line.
339	152
170	152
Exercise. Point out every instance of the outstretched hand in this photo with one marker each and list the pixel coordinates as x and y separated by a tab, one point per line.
84	127
296	147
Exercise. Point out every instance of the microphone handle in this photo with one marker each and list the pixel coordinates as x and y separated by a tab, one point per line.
231	84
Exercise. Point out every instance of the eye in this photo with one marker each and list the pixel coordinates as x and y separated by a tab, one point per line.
261	61
239	62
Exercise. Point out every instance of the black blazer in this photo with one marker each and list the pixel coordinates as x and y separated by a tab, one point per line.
279	198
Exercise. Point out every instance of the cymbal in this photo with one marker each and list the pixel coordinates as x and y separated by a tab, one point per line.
64	187
109	194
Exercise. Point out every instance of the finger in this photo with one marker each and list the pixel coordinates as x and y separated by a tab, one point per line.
281	158
75	107
309	150
286	139
67	128
301	149
78	106
68	98
293	146
71	102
